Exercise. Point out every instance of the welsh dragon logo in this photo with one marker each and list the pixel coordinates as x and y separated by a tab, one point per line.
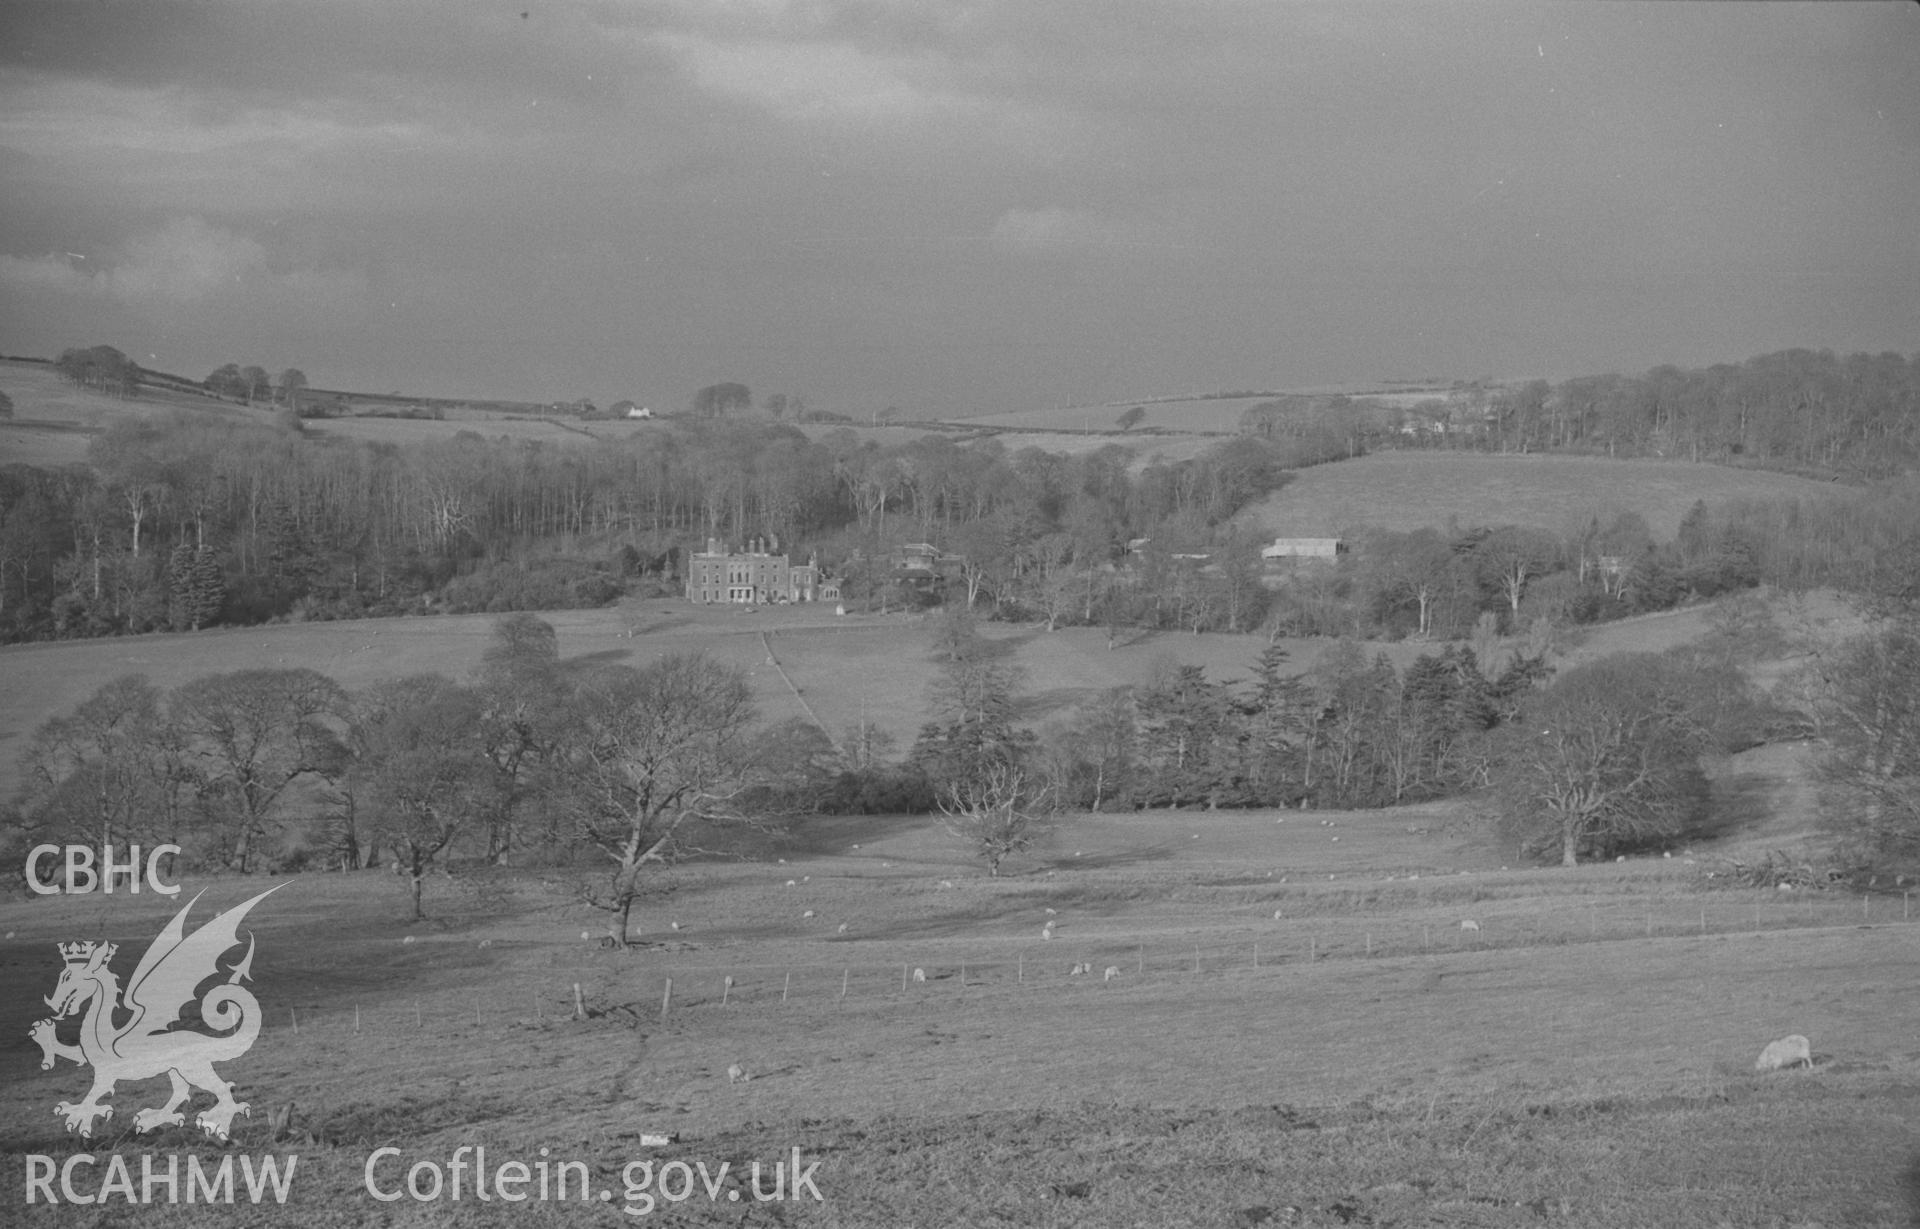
147	1040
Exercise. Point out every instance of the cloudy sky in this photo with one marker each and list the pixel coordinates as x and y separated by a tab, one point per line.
947	205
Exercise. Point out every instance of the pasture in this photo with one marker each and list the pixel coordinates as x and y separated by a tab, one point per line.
1583	1058
1421	489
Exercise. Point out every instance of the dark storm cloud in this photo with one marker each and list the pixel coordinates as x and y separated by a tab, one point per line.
957	204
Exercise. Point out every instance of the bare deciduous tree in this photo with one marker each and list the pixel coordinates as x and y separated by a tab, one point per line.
656	749
1001	811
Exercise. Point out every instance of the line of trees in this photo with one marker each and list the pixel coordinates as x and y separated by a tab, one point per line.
304	525
1855	414
284	769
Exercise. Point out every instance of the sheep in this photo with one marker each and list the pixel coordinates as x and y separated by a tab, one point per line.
843	928
808	913
736	1074
946	883
1113	971
1469	924
1276	915
1080	970
791	883
1052	912
1787	1052
919	975
407	940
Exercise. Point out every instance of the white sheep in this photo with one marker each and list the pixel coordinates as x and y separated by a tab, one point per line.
946	883
1113	971
843	928
919	975
736	1074
407	940
1080	970
1469	924
1051	912
1786	1052
808	913
791	883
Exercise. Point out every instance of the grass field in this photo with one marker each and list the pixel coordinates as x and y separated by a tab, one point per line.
1583	1058
1413	490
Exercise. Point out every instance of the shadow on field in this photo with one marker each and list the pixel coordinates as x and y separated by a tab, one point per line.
1910	1182
822	835
1747	801
604	657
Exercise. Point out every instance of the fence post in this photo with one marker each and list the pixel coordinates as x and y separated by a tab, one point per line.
726	989
580	1004
666	999
787	986
1022	975
1311	957
416	1014
843	983
356	1016
903	979
296	1020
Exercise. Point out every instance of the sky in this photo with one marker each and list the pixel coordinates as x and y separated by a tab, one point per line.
950	206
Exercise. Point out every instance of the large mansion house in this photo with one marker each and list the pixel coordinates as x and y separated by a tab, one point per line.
754	576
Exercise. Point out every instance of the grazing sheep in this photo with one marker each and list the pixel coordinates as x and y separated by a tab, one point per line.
585	935
843	928
1276	915
808	913
946	883
1080	970
674	925
1786	1052
1113	971
1051	912
1469	924
408	939
791	883
486	943
919	975
736	1074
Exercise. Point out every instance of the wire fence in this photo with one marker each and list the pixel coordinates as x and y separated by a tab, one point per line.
603	983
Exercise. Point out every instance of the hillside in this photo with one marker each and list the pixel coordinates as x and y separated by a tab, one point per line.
1416	489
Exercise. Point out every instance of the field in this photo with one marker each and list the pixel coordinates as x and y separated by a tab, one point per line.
1299	1031
1413	490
